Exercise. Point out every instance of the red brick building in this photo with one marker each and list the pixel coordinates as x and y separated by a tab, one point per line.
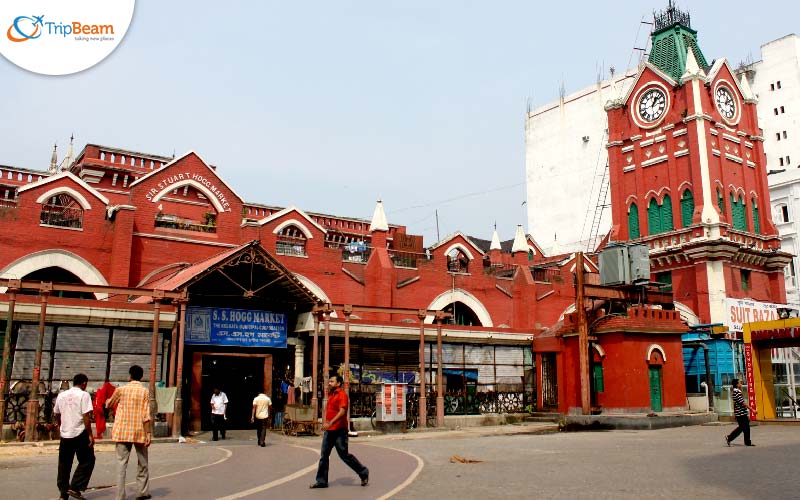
127	219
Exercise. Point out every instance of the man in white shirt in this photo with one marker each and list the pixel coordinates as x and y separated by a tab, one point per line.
73	409
219	405
260	416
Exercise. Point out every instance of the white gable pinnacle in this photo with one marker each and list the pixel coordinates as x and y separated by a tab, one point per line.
379	219
495	241
692	68
520	242
747	92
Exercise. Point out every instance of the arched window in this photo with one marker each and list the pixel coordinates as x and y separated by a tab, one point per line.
55	274
687	208
666	214
781	212
462	314
756	224
653	217
62	210
738	213
659	217
721	203
457	261
633	222
291	241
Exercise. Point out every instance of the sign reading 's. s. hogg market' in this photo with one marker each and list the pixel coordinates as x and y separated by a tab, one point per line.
242	327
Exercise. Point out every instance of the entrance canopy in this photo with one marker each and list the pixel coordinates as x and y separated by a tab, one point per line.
245	275
759	340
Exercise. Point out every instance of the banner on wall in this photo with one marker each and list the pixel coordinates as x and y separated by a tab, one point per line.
740	311
235	327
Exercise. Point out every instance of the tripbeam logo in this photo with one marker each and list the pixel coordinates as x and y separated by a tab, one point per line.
63	36
25	28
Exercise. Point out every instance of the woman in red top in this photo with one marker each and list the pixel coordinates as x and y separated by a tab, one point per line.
335	435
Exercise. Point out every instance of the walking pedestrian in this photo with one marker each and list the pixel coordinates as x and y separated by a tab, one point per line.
741	412
260	416
335	435
132	430
73	410
219	408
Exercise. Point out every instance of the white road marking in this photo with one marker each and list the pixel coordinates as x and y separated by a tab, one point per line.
277	482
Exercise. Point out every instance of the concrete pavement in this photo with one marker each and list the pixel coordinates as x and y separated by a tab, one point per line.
511	461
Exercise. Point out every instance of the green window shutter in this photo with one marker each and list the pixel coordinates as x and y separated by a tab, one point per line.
665	279
633	222
653	218
721	203
687	208
597	374
666	214
739	217
756	224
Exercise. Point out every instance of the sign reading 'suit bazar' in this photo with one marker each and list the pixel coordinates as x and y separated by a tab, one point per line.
235	327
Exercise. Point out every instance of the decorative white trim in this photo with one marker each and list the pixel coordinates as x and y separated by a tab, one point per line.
599	350
751	164
655	347
293	222
68	175
316	290
661	138
186	240
653	161
681	152
731	138
278	215
748	144
191	182
461	247
646	143
459	295
680	132
629	168
83	202
715	152
68	261
734	158
686	314
627	149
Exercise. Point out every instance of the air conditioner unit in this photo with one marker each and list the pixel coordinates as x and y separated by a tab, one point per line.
639	258
614	265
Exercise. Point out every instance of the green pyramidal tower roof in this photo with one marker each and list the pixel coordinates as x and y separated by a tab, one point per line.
672	37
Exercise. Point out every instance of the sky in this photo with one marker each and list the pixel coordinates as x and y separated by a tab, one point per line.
332	105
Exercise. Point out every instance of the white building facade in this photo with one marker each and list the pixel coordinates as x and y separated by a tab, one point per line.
775	80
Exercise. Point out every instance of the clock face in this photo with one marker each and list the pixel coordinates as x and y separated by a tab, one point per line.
652	105
726	104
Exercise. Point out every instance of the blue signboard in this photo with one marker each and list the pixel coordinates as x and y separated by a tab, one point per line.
242	327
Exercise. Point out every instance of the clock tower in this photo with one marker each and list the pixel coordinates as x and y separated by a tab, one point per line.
688	179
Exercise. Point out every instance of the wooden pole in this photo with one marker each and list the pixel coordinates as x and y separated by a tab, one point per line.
315	368
5	370
32	418
423	399
153	359
583	335
177	419
326	368
439	381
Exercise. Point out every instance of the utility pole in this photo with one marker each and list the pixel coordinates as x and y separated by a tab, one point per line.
583	335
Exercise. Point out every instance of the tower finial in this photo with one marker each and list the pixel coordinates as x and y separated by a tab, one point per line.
54	160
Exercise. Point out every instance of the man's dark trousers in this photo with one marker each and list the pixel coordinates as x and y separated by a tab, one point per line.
339	440
261	429
218	425
68	448
744	427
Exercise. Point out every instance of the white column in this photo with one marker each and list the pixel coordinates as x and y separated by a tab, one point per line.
299	351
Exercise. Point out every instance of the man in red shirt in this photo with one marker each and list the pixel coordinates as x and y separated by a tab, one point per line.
335	435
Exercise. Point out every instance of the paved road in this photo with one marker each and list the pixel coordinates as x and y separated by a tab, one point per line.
670	463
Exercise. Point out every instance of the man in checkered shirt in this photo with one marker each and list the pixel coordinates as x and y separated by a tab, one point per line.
132	430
